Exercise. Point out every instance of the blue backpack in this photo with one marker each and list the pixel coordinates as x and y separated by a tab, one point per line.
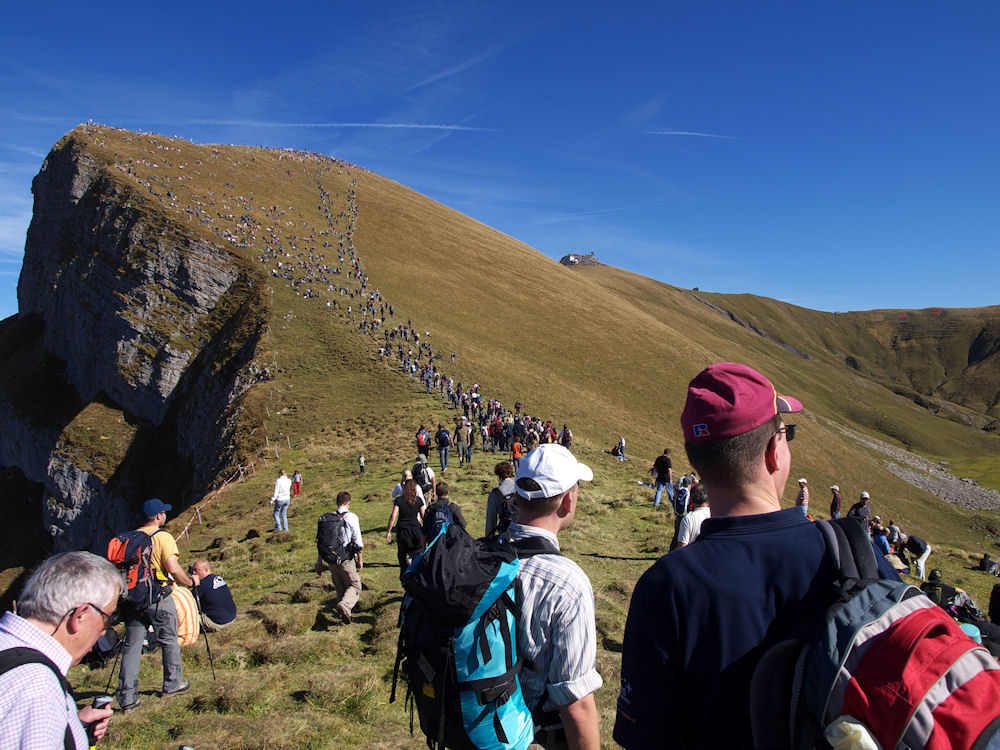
435	518
458	642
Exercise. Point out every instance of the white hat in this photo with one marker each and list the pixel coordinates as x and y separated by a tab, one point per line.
835	488
554	468
865	494
803	481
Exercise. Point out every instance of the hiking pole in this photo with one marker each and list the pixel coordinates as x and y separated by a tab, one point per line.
197	601
118	652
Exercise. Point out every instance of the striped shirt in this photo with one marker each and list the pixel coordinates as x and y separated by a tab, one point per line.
559	633
34	710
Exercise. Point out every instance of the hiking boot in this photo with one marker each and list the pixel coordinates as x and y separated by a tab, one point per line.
182	688
345	616
131	707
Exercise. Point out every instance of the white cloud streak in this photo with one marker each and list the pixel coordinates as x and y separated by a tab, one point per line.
692	133
454	70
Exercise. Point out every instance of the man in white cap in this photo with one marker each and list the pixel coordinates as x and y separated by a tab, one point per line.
862	510
835	502
802	498
559	634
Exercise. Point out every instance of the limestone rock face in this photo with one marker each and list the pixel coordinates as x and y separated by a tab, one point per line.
125	302
120	307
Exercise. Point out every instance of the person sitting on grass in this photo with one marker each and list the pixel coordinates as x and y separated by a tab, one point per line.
215	600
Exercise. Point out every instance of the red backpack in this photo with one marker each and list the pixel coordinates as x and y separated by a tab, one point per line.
132	551
882	656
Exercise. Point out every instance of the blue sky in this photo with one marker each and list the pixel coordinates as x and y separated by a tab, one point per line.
839	156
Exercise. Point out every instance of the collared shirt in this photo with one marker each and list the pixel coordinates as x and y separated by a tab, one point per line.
353	527
34	710
559	634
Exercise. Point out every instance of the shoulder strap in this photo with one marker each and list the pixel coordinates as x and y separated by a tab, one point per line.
850	547
530	546
16	657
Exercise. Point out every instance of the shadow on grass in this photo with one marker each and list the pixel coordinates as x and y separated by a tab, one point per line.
615	557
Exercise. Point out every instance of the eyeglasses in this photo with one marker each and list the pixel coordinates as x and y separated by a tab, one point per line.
789	430
109	620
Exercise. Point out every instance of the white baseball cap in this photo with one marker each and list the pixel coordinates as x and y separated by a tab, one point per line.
835	488
865	494
803	481
554	468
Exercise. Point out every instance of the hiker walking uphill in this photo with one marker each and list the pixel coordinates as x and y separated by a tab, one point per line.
424	476
501	505
339	545
423	438
559	634
685	669
408	510
65	606
443	439
440	512
159	612
280	499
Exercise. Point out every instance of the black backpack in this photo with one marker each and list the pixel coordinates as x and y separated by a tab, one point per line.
331	538
443	438
506	513
459	623
420	476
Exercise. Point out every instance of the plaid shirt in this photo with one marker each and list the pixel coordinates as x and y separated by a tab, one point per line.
560	634
34	710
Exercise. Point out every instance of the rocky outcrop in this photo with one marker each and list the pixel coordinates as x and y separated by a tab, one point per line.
127	298
119	305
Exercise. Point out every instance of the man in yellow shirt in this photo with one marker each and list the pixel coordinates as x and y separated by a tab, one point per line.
161	614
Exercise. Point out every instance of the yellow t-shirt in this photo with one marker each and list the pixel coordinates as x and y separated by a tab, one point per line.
164	547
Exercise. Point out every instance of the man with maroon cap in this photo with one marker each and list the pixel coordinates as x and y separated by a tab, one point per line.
699	616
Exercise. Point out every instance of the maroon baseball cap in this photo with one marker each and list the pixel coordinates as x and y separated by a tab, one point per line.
727	399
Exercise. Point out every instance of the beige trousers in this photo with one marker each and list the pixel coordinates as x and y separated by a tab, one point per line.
347	582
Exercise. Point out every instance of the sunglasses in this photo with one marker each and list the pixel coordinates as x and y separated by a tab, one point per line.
789	430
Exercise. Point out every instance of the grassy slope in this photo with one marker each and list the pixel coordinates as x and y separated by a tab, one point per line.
603	349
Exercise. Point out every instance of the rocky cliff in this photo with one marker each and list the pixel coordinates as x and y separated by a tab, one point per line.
135	341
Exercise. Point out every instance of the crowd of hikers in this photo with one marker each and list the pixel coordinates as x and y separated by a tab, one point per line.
498	641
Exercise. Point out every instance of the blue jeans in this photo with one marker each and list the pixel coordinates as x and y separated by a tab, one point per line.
281	515
659	491
443	455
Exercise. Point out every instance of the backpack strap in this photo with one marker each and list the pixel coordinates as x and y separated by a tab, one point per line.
21	655
530	546
854	540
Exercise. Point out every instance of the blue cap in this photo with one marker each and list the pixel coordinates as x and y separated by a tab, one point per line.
154	507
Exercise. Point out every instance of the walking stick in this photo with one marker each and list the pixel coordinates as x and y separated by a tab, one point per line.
118	652
197	601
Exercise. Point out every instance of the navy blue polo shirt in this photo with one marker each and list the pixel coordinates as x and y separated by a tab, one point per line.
698	617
